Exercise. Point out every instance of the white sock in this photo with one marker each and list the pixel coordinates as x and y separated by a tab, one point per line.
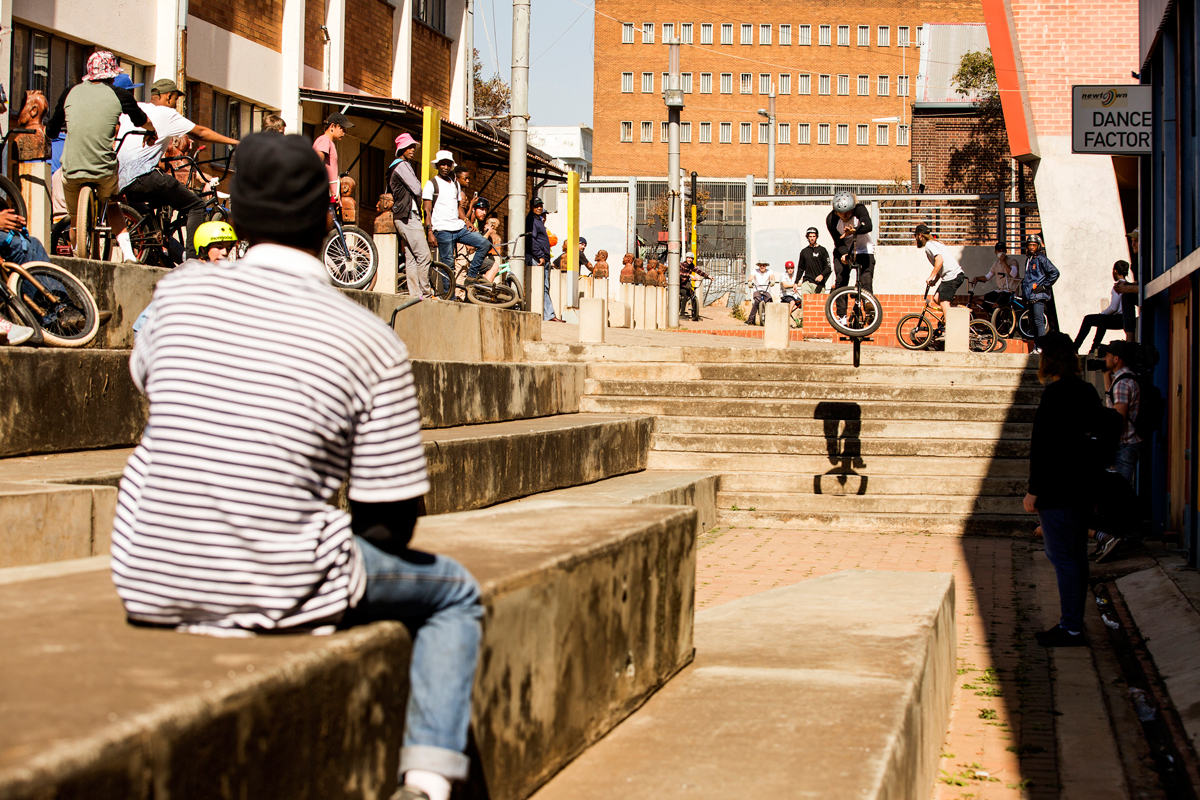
432	784
126	246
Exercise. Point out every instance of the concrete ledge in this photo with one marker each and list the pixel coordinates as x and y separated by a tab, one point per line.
837	687
458	393
123	289
828	391
40	523
586	617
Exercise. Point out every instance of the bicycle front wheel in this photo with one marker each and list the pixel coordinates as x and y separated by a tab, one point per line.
441	280
1026	325
864	314
85	223
66	310
982	336
913	332
10	197
492	294
352	266
1005	321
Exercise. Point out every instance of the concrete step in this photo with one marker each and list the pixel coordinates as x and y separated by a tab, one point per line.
587	616
54	523
803	354
653	487
95	404
875	483
915	467
933	448
802	409
813	373
781	390
776	703
869	503
837	426
951	524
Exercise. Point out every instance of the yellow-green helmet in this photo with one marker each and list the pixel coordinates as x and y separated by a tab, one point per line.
213	232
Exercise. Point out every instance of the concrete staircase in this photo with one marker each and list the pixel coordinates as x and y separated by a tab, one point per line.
918	442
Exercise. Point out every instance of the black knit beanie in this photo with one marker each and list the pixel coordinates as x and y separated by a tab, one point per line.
280	190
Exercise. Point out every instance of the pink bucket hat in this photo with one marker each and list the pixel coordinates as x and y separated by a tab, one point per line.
404	141
102	65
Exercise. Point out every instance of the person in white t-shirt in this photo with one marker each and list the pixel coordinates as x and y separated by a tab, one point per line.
759	284
444	218
1006	271
138	176
945	266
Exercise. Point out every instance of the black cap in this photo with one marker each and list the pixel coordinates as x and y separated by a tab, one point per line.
1125	350
537	202
922	228
280	191
582	240
338	118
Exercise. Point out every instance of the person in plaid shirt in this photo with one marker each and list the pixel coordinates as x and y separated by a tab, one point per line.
1123	394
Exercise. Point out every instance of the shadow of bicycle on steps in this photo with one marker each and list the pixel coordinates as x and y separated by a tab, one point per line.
843	444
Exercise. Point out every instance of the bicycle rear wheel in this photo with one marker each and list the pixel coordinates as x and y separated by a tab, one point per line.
66	311
492	294
1005	320
441	280
10	197
864	314
353	266
1026	326
982	336
85	223
913	332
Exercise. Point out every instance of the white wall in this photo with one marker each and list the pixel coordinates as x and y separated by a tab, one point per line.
234	64
603	221
127	27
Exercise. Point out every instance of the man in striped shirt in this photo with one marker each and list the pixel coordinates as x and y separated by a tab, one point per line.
223	522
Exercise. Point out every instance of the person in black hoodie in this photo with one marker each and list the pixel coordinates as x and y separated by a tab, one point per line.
1062	480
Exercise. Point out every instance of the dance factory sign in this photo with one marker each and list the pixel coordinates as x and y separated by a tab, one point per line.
1112	120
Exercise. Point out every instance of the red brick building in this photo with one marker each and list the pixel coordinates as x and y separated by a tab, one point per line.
844	78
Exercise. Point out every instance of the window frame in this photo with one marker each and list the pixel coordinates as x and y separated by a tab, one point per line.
705	134
647	33
747	33
785	35
706	33
764	133
664	132
862	134
627	33
666	37
783	133
804	83
825	36
685	133
726	133
843	86
764	41
843	40
764	76
685	82
843	134
746	83
883	86
902	86
824	85
902	132
626	83
784	83
627	131
823	133
864	33
882	135
804	36
902	36
685	33
649	75
706	80
726	80
726	28
883	36
745	133
647	132
864	85
803	133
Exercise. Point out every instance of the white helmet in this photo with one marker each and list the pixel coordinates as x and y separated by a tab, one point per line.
844	201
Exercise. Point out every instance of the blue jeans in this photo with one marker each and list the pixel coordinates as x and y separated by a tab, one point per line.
547	303
1039	318
1064	531
1127	459
438	600
20	247
447	239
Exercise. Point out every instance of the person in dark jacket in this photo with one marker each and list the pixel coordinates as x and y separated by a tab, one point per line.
538	252
406	215
850	227
1040	275
814	266
1062	481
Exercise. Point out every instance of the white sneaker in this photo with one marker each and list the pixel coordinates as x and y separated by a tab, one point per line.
843	321
15	334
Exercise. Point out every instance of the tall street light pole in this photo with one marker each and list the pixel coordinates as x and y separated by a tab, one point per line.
673	97
769	113
518	144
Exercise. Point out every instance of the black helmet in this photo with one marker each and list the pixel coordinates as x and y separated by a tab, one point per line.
812	230
1034	238
481	202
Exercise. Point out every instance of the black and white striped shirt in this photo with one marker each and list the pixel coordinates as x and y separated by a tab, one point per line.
266	388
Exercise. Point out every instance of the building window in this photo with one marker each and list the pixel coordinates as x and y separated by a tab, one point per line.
686	82
902	135
902	36
883	86
226	120
705	33
843	35
726	83
647	83
864	85
764	83
881	134
823	85
864	35
785	133
627	33
864	134
726	132
824	31
920	36
627	82
668	32
664	133
802	133
747	83
785	83
685	33
726	33
785	35
764	133
626	131
747	34
746	130
685	132
843	85
432	13
823	133
52	65
843	133
705	132
666	80
804	35
804	84
883	37
705	83
901	86
764	34
647	33
647	131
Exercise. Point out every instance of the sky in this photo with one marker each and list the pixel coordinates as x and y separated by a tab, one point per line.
560	56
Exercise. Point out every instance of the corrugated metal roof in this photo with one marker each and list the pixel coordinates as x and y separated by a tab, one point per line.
943	49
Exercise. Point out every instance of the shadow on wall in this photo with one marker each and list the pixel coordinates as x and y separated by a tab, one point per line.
844	450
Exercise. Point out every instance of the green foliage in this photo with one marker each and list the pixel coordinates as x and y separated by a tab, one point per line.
493	97
977	74
987	713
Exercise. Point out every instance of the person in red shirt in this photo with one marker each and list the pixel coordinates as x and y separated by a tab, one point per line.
336	125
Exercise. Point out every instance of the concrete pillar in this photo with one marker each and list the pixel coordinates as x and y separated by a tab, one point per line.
639	307
335	49
402	30
619	315
592	319
957	321
172	19
600	288
292	69
35	188
388	245
460	61
777	332
664	300
556	297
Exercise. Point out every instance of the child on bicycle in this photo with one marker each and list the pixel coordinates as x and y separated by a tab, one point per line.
945	266
759	284
215	240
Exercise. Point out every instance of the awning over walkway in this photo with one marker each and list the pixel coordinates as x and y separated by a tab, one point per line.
487	151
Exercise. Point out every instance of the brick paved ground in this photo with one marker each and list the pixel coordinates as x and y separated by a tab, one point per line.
1001	738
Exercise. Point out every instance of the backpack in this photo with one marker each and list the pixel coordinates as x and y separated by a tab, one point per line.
1103	432
1151	405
